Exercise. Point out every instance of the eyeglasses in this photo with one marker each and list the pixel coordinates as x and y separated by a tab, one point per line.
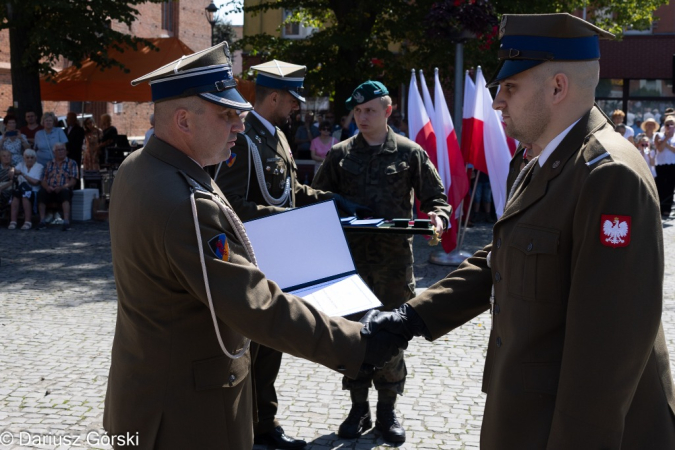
670	124
325	129
29	157
644	145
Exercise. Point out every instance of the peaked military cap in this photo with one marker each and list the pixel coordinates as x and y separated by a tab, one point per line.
282	75
207	73
365	92
528	40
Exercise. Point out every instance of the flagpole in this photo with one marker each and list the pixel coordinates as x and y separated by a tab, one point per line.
466	222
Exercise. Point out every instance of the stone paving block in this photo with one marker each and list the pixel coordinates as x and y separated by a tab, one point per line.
57	318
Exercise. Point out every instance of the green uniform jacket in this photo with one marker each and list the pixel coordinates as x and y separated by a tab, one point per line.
277	160
169	379
386	182
577	358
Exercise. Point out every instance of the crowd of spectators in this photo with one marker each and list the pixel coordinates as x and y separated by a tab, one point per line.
41	163
656	143
26	152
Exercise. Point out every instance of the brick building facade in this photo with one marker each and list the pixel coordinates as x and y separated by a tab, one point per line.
184	19
636	73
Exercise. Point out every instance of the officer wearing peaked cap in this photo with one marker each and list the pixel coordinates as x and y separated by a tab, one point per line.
260	179
190	296
577	356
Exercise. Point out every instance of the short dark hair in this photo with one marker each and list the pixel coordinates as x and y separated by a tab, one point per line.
261	92
9	117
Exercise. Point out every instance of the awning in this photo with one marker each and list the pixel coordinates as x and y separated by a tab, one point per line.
90	84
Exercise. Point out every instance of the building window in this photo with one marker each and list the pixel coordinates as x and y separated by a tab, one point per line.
294	30
170	11
638	98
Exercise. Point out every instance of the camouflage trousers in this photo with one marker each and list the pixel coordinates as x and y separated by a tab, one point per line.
393	286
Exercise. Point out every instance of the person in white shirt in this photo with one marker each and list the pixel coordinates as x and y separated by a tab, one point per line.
665	165
29	175
617	118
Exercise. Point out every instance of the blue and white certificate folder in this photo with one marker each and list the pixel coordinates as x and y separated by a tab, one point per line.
305	252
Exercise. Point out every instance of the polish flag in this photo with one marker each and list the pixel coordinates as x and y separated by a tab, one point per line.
419	123
495	155
450	163
428	103
467	115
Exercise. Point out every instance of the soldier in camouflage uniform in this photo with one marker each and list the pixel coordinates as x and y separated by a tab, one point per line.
380	169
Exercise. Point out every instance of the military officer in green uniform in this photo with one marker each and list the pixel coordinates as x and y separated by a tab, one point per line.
381	169
190	297
577	357
260	178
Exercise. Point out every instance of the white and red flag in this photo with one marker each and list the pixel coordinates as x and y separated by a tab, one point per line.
467	116
428	103
494	156
450	163
419	123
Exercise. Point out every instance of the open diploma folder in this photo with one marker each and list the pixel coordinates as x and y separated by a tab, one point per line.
305	252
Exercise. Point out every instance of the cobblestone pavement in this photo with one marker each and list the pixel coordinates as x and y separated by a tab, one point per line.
57	317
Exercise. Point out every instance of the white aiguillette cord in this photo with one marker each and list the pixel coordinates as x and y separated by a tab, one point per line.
260	176
240	232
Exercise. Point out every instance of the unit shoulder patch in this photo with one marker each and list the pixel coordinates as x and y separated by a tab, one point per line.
220	247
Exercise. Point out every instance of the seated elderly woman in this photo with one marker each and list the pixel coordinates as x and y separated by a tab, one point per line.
13	140
60	176
29	176
6	178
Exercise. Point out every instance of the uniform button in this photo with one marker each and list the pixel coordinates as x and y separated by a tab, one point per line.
341	368
232	378
498	277
497	309
529	247
499	242
499	342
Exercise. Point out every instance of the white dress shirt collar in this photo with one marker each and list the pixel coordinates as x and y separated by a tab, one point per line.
546	152
271	128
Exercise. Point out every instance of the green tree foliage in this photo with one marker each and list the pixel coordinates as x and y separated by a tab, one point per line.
223	31
385	39
42	31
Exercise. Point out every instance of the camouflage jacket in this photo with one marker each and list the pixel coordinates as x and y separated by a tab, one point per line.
384	181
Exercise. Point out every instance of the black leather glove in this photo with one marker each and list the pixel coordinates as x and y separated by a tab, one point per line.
403	321
351	208
381	347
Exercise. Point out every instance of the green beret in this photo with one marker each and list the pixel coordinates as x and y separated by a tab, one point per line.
365	93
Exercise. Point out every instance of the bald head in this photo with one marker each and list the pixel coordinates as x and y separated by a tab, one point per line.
583	76
165	112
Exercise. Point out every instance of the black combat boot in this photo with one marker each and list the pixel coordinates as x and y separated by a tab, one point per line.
357	422
387	423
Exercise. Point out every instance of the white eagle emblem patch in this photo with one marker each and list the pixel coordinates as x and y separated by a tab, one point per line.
615	230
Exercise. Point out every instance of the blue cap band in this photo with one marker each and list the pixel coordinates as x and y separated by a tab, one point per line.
278	83
213	79
561	49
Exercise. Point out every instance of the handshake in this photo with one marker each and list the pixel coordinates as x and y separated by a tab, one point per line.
389	332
